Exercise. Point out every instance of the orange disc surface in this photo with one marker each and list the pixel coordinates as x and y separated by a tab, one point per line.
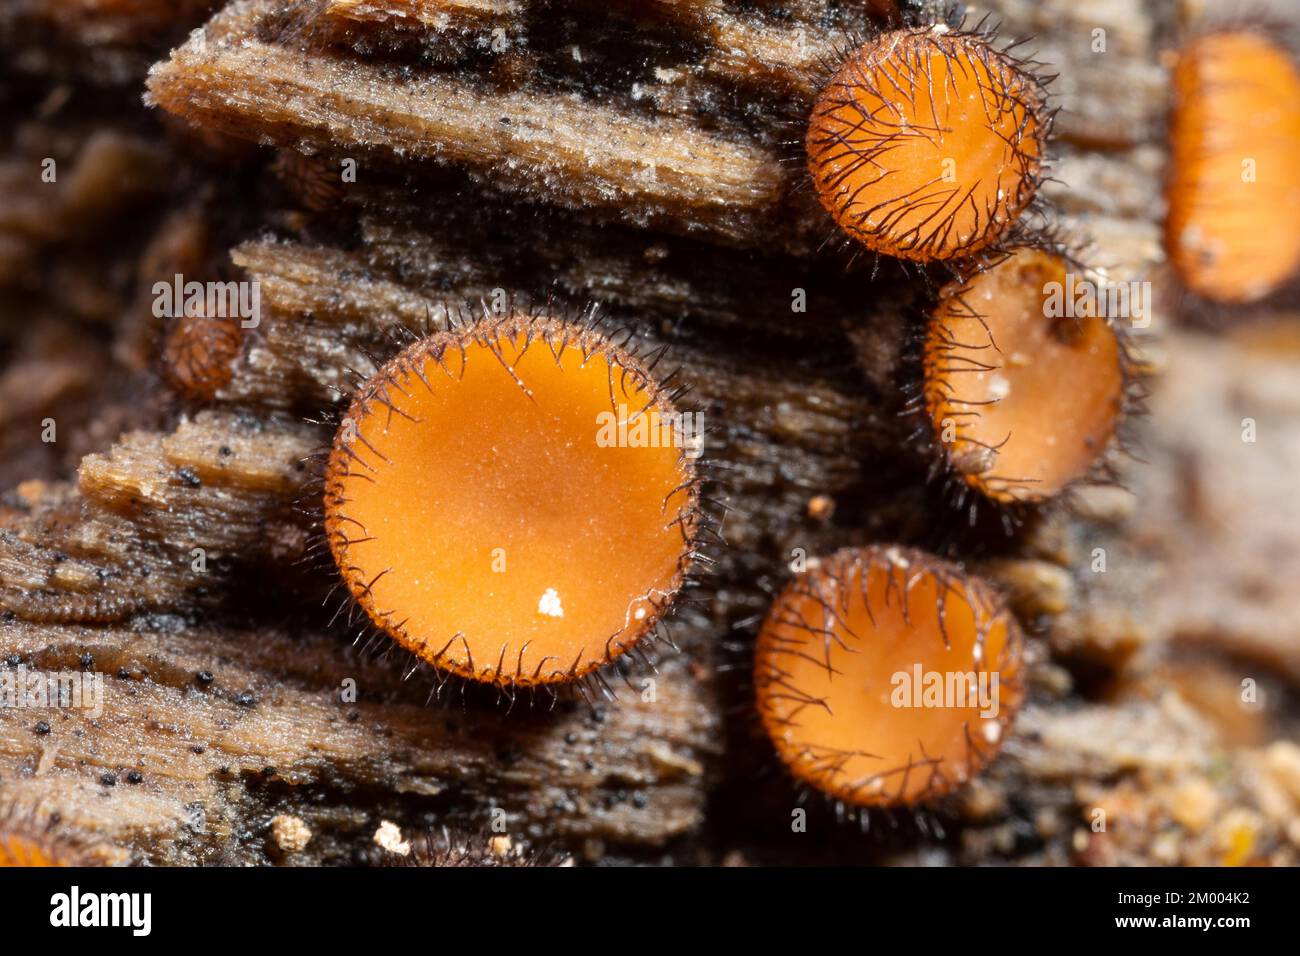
1023	396
513	502
885	676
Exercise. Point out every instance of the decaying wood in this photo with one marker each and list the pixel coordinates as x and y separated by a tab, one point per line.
270	728
661	173
666	171
644	159
438	15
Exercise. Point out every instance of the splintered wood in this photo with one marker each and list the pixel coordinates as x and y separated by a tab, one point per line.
123	541
435	14
661	172
210	719
260	73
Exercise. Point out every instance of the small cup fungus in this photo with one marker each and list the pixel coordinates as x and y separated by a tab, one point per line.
513	500
886	676
928	143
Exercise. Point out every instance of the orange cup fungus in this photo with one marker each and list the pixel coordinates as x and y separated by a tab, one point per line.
199	354
1023	395
18	850
22	844
928	143
1234	188
514	501
887	677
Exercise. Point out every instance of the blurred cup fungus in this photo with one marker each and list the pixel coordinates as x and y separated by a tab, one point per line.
886	676
513	500
1024	384
928	143
1232	230
19	850
199	353
27	841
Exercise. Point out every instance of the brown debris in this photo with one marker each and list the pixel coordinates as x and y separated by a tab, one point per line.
101	41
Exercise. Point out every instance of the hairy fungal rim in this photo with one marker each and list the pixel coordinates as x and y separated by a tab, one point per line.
833	587
1014	84
627	368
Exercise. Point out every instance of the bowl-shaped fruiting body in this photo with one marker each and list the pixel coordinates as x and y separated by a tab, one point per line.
199	354
514	501
1232	230
1024	382
886	676
928	143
